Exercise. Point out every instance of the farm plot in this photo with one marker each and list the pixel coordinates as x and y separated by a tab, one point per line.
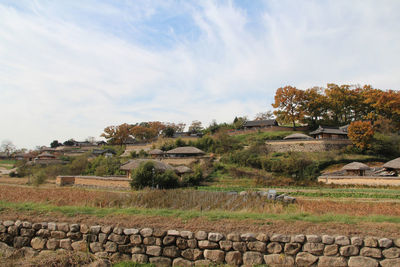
190	209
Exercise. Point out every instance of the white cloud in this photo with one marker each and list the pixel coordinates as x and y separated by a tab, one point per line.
63	76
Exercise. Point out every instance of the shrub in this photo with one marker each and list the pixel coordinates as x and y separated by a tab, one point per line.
103	166
78	165
167	179
39	178
147	176
142	154
244	158
179	142
193	179
385	145
168	145
133	154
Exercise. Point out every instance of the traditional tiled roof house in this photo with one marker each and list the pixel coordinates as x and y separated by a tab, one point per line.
325	132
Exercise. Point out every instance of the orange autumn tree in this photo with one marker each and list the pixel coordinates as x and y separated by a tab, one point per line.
117	135
288	101
314	106
361	134
146	131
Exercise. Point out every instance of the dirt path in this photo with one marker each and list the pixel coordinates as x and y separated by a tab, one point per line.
6	171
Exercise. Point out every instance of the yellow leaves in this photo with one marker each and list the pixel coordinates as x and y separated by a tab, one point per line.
118	135
361	134
288	100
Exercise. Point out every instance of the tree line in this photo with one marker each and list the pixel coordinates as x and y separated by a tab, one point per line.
336	105
333	105
146	131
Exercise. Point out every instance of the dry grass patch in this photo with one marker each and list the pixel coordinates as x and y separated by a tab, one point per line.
193	200
50	258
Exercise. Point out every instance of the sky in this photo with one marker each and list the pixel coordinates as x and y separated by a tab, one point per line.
70	68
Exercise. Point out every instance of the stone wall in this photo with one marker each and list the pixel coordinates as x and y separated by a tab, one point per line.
94	181
185	248
305	145
268	129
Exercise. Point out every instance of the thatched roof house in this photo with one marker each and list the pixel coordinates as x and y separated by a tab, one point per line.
25	156
393	165
182	170
260	124
46	155
156	153
47	149
64	148
185	151
356	168
135	163
297	136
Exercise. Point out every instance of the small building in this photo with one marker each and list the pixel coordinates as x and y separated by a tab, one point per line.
46	158
45	149
259	124
356	168
393	165
181	170
101	143
25	156
156	153
46	155
103	152
185	151
129	141
325	132
64	149
135	163
298	136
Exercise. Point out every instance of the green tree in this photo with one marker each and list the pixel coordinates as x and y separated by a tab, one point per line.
341	102
238	122
55	144
147	176
169	131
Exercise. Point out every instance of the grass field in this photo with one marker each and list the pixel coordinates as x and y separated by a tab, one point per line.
187	204
7	164
261	136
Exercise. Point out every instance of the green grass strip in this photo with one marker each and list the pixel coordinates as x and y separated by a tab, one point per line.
324	193
373	195
290	215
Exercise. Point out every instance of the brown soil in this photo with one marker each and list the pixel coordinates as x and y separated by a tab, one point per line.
224	226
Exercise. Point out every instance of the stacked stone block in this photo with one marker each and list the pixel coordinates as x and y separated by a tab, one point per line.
185	248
